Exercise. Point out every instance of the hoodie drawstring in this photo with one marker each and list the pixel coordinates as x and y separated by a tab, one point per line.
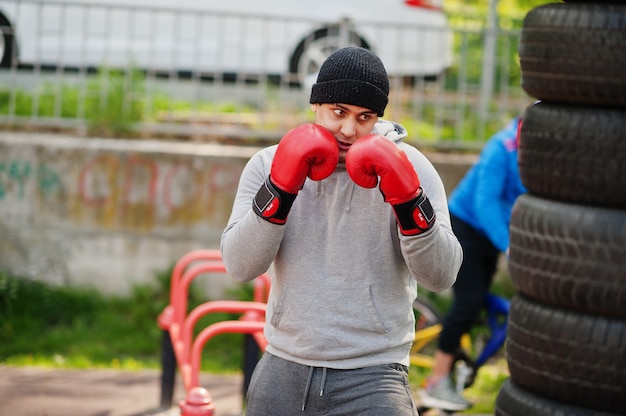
348	205
309	380
307	388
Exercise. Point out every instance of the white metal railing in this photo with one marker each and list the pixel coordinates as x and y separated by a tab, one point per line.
186	87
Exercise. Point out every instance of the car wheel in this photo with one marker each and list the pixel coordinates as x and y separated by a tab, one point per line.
574	153
568	255
6	43
313	51
513	400
573	53
574	358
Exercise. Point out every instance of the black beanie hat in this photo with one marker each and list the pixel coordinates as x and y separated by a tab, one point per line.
353	76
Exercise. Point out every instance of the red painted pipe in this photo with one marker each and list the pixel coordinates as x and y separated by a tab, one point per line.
180	298
197	403
184	262
262	288
239	327
227	306
180	324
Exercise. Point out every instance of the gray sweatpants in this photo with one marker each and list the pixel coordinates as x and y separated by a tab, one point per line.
283	388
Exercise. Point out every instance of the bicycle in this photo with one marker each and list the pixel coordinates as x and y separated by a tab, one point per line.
471	355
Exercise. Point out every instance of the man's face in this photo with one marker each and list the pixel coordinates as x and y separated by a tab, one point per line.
346	122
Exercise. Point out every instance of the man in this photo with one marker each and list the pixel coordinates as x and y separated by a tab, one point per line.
480	208
351	219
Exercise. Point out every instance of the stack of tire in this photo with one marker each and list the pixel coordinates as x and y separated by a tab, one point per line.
566	339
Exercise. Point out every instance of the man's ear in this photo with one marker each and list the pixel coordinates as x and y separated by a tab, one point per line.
314	107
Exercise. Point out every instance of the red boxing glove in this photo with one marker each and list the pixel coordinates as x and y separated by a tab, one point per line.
375	156
307	150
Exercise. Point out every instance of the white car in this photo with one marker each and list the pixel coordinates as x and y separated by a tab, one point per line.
249	37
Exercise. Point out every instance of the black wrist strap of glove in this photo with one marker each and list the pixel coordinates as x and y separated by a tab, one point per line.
272	203
415	216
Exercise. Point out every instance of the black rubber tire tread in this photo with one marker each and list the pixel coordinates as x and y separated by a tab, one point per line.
513	400
574	53
574	358
571	256
574	153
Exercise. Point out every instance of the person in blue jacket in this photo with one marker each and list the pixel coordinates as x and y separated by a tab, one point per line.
480	210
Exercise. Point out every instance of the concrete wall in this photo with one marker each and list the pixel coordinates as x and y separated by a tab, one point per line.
107	213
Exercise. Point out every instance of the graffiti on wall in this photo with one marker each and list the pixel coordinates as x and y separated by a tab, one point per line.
126	191
15	174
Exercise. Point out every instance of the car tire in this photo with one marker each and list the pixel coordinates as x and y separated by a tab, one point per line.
573	53
312	51
513	400
574	153
7	43
571	256
575	358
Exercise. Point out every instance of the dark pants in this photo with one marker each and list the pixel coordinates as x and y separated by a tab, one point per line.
480	259
283	388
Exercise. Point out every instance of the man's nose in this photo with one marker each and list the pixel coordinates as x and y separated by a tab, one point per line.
348	129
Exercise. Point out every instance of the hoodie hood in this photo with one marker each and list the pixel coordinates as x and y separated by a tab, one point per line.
390	129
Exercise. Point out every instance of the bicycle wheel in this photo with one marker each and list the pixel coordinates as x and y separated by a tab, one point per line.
426	313
427	329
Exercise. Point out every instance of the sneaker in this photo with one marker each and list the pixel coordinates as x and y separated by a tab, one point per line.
443	396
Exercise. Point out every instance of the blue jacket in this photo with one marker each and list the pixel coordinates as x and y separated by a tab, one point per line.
484	198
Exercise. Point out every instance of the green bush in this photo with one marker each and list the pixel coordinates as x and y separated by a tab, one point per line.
114	102
76	328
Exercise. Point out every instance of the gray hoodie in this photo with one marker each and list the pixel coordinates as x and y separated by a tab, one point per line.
343	277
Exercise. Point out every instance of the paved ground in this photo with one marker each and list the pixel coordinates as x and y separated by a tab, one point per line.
33	391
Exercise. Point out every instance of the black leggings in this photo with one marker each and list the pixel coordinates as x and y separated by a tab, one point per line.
480	259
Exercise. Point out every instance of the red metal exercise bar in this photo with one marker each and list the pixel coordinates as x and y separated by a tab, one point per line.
178	327
170	314
166	320
254	323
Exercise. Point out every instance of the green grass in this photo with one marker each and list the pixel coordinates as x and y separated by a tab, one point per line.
75	328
